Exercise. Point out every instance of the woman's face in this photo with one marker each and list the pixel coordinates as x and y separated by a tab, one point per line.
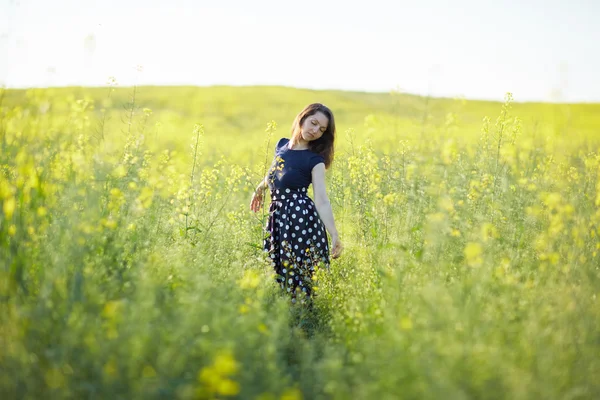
314	126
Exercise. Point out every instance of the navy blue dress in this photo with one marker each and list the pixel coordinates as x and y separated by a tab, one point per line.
296	240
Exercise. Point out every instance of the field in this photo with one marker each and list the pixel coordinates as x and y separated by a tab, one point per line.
131	265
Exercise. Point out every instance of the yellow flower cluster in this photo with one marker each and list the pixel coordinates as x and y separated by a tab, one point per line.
217	379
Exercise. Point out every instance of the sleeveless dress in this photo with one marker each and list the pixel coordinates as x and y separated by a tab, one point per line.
296	239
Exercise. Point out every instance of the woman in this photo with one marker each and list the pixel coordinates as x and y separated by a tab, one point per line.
296	239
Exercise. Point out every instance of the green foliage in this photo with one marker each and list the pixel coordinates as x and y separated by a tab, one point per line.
131	266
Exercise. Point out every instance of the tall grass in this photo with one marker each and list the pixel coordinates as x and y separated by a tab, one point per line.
135	270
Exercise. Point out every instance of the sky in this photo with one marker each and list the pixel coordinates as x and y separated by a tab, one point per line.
538	50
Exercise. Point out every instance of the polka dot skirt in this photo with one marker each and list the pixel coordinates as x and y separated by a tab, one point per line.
296	241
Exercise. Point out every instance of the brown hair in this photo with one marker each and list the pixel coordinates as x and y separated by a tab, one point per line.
323	145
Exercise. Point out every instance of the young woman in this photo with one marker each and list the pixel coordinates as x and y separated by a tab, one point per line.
296	238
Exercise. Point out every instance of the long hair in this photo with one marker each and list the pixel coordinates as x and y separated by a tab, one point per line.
323	145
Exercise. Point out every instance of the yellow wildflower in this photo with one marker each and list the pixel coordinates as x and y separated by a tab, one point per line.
473	252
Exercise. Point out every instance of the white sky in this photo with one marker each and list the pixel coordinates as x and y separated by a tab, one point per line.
480	49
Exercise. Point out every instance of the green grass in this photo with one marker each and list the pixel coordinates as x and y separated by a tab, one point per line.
470	269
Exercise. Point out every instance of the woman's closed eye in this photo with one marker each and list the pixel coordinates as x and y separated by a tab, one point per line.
322	129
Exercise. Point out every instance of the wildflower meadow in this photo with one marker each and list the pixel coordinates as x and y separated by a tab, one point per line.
131	266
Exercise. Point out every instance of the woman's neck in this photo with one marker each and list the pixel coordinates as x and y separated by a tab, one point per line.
300	144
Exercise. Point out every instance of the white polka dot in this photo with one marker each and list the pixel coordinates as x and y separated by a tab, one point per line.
293	235
314	237
284	216
301	220
318	244
309	230
285	235
296	247
315	225
297	208
298	258
297	228
304	232
293	215
290	280
311	218
300	240
287	227
287	190
323	240
295	196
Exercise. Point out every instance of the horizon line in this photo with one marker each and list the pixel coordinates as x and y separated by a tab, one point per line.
389	92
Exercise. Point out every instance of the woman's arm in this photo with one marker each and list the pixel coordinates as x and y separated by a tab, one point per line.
262	186
324	207
257	197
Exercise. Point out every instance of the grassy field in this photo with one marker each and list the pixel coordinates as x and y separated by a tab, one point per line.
131	265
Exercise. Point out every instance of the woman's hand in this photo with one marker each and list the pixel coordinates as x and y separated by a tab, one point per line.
257	199
337	247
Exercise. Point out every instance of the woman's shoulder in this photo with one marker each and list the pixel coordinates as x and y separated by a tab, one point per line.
281	143
314	159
